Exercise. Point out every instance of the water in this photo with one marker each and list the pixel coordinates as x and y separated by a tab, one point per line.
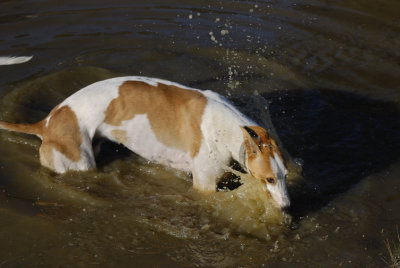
329	73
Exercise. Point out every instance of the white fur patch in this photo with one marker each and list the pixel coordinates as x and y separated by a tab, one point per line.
280	163
62	164
279	191
142	140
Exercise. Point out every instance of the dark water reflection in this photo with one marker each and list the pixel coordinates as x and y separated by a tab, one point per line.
341	138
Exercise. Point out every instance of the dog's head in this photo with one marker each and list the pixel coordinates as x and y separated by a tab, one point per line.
264	162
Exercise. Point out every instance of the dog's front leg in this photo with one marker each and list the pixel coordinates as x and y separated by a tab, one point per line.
205	180
206	170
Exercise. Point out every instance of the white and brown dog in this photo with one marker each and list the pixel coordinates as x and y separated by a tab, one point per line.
180	127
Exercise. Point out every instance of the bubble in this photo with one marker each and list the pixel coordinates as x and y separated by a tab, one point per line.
224	32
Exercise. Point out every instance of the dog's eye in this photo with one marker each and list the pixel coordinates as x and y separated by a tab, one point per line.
271	180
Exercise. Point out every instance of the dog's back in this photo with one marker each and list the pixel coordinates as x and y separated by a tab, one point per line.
162	121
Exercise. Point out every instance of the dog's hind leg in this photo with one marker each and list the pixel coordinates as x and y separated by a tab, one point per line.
61	157
46	155
66	146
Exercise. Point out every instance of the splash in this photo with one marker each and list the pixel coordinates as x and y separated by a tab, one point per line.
247	210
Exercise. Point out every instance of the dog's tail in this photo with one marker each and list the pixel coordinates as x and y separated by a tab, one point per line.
34	129
9	60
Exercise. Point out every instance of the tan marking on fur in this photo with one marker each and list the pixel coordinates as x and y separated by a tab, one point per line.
174	113
268	144
46	155
35	129
259	152
62	134
120	135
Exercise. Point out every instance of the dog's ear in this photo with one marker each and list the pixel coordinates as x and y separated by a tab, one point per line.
252	141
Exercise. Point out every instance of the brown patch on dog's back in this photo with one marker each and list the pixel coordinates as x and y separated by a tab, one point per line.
174	113
62	134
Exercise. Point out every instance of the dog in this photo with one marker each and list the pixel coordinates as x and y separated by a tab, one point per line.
195	131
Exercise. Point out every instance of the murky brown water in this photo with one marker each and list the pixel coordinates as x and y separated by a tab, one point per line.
329	73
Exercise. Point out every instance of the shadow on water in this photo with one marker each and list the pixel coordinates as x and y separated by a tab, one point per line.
341	138
108	151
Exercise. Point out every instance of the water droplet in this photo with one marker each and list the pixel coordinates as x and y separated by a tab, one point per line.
224	32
